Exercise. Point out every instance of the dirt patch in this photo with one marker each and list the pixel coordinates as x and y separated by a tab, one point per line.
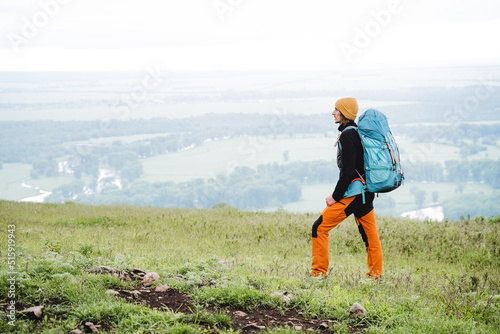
248	322
171	299
268	318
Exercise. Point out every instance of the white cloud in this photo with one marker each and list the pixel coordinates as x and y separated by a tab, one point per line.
257	34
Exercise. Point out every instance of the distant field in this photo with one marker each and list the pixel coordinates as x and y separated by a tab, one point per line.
110	140
415	152
279	106
218	156
214	157
312	201
493	153
12	176
49	183
405	200
167	110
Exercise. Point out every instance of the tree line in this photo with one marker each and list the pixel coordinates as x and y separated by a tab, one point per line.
41	143
248	189
84	147
455	171
245	188
467	135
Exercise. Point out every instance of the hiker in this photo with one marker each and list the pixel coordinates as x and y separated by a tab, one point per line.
347	198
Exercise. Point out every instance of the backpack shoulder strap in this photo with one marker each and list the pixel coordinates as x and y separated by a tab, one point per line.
340	134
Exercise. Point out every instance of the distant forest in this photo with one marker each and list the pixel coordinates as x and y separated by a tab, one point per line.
41	143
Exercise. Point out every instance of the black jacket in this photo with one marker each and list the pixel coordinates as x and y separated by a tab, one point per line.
349	159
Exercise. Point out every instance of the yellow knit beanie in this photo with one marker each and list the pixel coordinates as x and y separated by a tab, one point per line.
348	106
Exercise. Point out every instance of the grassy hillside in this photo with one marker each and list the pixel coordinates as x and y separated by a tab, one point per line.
438	277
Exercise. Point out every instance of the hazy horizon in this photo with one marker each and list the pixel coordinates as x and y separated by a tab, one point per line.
153	93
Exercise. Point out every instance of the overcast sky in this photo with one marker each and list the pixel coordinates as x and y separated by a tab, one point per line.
82	35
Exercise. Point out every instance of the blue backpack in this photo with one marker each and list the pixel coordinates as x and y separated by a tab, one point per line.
383	172
381	154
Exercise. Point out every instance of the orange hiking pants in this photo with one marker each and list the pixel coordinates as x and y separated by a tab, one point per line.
334	215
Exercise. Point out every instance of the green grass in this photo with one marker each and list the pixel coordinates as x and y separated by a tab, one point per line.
438	277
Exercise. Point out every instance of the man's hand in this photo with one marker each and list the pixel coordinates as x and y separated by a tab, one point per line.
330	201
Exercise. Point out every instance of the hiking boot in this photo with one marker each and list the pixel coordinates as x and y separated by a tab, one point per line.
319	274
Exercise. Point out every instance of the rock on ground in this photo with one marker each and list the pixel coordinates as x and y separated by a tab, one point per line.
149	278
357	311
92	327
36	310
112	292
284	295
162	287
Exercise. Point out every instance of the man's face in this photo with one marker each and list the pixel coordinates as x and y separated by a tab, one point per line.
336	114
